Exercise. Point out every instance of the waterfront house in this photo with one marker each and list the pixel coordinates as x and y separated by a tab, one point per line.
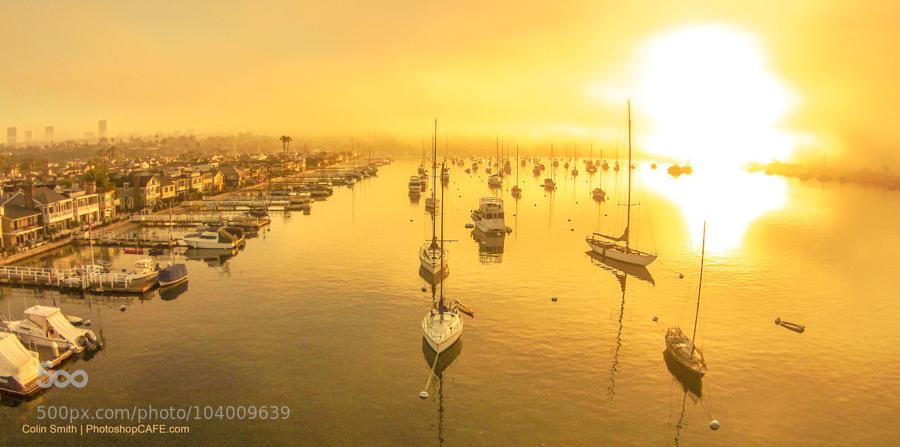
21	226
109	202
232	176
167	190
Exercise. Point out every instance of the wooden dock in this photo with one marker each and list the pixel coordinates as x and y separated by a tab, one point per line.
75	280
192	219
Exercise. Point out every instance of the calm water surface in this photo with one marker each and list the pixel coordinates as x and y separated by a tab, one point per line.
322	313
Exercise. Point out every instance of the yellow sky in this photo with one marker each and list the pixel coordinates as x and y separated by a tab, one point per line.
525	70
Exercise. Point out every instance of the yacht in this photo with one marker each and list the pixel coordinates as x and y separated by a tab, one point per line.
495	181
415	185
19	368
210	238
489	216
47	326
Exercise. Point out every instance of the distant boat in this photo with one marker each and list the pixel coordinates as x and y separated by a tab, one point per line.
549	183
598	194
414	185
495	181
619	247
433	256
679	347
515	190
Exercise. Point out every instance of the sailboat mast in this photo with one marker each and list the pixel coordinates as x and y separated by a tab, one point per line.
433	181
441	305
517	165
699	286
628	212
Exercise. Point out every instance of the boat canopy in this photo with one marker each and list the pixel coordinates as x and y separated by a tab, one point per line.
172	273
47	318
16	361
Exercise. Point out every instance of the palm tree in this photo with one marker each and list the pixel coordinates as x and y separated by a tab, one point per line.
286	141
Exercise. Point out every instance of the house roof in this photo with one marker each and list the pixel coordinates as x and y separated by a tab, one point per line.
45	195
13	211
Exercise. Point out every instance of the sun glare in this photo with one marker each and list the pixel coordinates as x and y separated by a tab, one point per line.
711	99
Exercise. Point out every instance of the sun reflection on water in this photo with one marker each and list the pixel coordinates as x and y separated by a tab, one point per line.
729	199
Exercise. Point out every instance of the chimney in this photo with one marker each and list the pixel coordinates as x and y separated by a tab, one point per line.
28	191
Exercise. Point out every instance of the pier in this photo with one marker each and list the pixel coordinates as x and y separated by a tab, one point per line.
193	219
75	280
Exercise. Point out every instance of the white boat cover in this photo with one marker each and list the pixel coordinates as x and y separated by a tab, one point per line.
16	361
52	317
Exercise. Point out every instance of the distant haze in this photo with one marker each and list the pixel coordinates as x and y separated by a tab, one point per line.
528	72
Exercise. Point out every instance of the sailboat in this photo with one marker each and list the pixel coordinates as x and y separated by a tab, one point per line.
549	183
575	162
442	324
591	167
619	248
432	256
681	349
515	190
496	180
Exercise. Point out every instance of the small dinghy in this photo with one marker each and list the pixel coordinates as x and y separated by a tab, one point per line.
76	321
796	327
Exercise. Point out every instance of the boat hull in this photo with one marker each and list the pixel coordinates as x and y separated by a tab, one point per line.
440	343
173	282
618	253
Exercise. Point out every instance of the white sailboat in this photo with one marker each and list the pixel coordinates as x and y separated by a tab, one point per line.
619	247
433	256
442	325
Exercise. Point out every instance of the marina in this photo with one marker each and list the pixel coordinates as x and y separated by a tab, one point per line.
586	335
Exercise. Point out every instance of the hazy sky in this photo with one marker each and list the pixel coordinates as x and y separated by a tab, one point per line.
533	70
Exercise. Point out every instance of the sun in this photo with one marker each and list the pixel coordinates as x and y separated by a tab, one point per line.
711	99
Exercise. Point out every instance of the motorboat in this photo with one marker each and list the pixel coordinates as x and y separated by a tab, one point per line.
47	326
210	238
495	181
20	368
144	269
415	185
489	217
172	274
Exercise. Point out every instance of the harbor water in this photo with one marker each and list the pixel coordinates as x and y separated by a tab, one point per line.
322	313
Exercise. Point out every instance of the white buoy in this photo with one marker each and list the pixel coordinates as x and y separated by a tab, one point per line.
87	322
714	424
423	395
655	318
122	308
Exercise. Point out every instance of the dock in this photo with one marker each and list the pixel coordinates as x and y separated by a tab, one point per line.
75	280
193	219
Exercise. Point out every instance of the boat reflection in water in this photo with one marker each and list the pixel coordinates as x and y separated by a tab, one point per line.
214	257
490	246
169	293
444	361
621	271
433	278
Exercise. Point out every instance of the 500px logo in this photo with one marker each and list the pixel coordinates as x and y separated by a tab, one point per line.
62	379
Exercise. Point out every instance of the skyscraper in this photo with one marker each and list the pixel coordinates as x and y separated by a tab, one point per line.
27	137
48	134
11	136
101	130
